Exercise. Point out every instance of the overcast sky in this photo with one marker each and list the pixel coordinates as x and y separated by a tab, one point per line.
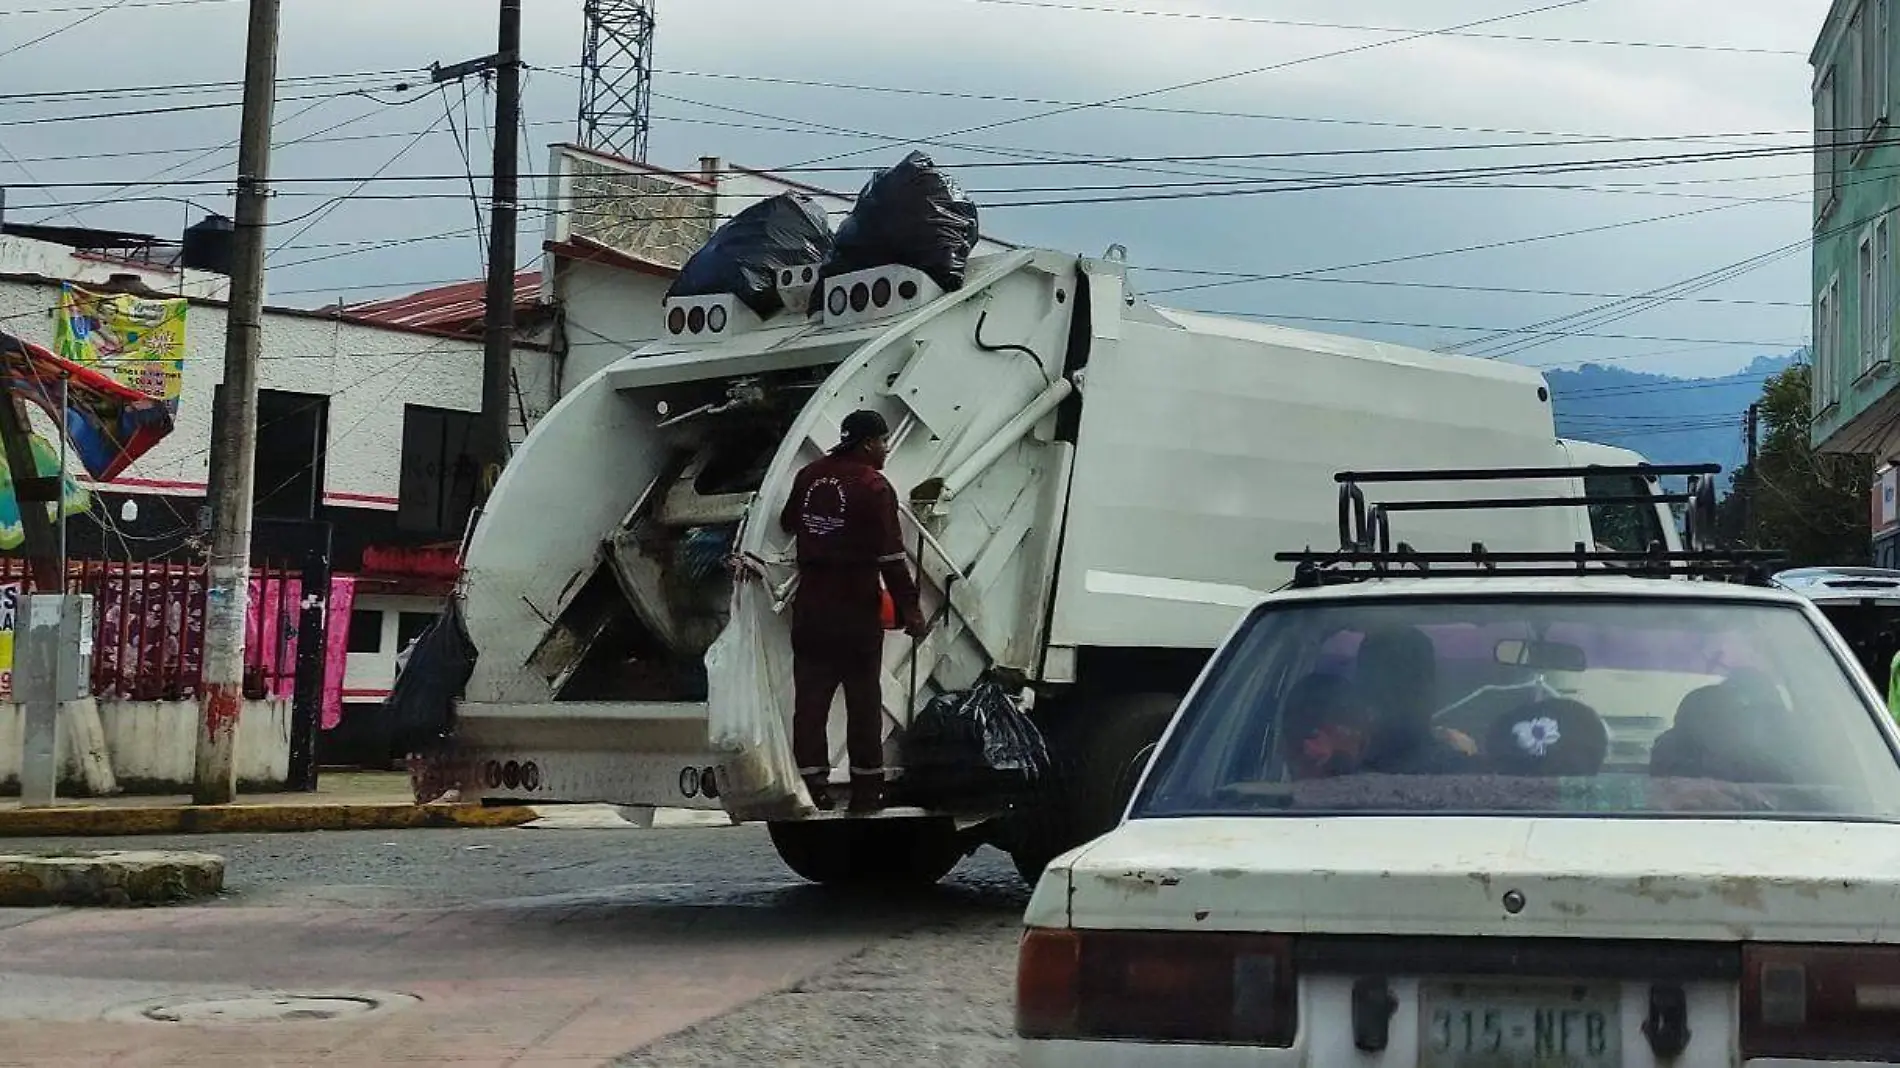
1748	81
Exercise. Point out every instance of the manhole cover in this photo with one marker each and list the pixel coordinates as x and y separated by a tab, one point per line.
276	1008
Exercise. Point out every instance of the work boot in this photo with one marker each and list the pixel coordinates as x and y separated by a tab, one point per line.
819	787
867	793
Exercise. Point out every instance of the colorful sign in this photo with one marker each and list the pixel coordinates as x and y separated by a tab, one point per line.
73	497
108	423
10	594
139	341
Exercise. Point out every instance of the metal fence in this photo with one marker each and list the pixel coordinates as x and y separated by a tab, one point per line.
148	626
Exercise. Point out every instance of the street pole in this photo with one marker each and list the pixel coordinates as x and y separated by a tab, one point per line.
499	322
234	428
1754	476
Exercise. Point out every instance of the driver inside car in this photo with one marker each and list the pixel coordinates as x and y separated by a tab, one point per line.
1397	670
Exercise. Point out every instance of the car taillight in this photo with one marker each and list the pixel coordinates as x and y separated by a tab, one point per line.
1826	1002
1154	986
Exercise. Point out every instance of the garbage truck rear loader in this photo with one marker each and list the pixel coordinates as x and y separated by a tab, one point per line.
1096	490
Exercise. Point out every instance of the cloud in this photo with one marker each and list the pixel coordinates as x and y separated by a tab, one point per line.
1059	54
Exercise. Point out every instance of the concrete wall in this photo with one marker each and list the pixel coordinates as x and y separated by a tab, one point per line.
153	745
369	373
24	255
610	313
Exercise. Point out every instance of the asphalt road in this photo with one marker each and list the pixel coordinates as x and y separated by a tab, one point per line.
773	971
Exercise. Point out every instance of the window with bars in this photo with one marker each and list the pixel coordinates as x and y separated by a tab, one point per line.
1883	296
1826	162
1867	298
1827	343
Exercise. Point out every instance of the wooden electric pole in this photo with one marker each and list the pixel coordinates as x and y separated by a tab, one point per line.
1753	435
234	428
498	333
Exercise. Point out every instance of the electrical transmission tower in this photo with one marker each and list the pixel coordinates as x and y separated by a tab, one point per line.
617	77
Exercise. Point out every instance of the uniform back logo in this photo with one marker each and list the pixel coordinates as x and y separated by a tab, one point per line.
822	512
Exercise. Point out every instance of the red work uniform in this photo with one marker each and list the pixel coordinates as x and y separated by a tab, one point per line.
844	515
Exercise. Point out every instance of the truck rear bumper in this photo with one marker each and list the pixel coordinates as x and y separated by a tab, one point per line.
615	753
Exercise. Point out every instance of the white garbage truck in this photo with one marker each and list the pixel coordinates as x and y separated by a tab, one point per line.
1096	487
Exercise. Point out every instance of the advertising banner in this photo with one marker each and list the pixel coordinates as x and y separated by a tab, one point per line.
139	341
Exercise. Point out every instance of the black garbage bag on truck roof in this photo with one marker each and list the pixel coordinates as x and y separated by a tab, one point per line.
911	215
420	709
744	256
972	747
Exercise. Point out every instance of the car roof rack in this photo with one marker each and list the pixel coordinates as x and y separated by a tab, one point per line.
1366	549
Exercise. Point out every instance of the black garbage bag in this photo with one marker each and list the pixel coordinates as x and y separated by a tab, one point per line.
911	215
744	256
972	747
420	710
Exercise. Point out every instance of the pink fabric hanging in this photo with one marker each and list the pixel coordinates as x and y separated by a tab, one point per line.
272	649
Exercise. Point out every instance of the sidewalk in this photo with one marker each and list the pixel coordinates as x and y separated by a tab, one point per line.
344	801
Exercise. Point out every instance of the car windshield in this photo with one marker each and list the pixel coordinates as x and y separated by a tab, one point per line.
1562	706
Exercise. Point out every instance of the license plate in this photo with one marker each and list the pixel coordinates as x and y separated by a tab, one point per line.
1477	1026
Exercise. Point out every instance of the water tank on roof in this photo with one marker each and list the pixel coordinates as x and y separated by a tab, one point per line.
211	245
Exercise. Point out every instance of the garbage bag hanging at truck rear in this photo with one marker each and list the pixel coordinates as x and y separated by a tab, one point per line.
744	257
911	215
420	709
973	746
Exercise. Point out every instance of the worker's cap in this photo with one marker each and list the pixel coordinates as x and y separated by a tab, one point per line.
861	426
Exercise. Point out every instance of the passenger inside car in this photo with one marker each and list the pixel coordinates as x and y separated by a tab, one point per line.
1397	670
1738	730
1324	729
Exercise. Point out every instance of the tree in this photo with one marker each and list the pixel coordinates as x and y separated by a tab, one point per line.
1809	504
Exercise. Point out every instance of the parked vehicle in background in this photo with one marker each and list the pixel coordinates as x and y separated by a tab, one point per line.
1863	603
1313	873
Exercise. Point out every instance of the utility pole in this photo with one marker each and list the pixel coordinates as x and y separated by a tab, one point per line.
1754	476
498	333
234	428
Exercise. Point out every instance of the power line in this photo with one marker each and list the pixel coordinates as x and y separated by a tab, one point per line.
73	25
1452	326
1623	309
1004	98
323	213
1216	79
193	88
1305	24
171	109
122	5
137	153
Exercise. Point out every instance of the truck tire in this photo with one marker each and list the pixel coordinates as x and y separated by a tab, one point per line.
885	853
1097	761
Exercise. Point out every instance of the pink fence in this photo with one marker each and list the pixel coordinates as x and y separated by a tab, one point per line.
148	629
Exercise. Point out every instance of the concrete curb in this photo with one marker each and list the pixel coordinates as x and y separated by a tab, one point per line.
101	822
110	878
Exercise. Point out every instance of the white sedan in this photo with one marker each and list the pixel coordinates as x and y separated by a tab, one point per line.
1451	823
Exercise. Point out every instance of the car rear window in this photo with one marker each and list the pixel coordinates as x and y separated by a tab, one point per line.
1560	706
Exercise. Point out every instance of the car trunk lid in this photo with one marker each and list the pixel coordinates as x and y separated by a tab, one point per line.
1703	880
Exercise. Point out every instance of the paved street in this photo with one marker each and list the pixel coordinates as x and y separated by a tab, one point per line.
515	947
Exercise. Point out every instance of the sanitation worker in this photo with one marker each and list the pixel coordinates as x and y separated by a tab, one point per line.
850	551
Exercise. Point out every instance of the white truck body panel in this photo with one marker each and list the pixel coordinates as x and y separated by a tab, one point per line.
1203	447
1208	445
